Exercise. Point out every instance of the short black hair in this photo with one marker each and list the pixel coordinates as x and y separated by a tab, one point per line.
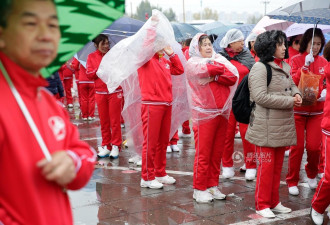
213	37
187	42
99	38
6	6
266	44
326	52
292	39
307	37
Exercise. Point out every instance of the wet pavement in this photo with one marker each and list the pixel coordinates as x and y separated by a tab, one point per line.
114	196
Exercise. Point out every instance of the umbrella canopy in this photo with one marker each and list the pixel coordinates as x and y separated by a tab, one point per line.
118	30
300	28
216	28
183	31
245	28
80	21
304	11
272	24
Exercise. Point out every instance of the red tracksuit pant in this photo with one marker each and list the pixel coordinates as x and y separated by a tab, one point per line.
312	126
109	107
174	139
248	148
67	88
268	176
209	143
321	199
87	96
78	90
186	128
156	125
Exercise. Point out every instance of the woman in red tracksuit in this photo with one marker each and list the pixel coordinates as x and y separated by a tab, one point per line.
321	198
307	118
156	92
109	104
209	84
233	50
67	74
86	89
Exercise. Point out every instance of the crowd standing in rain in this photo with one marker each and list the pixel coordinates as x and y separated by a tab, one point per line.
289	114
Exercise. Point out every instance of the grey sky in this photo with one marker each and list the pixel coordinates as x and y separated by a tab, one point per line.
239	6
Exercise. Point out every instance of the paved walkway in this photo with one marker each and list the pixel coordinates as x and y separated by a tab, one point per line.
114	196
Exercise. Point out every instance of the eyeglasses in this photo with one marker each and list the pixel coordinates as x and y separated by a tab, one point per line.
296	42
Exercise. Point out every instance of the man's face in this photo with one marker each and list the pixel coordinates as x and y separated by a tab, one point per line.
32	34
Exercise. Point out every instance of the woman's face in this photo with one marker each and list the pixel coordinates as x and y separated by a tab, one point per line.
316	46
104	46
237	46
206	48
280	51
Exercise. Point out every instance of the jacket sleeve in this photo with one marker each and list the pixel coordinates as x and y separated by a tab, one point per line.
59	85
91	68
176	65
258	90
82	154
296	71
227	78
294	88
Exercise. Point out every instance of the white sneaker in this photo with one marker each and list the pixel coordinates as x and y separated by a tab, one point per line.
103	151
70	106
281	209
175	148
228	172
139	163
287	153
91	118
238	135
122	125
250	174
84	119
114	152
166	180
312	183
134	159
168	149
320	175
294	190
202	196
216	193
267	213
317	218
242	168
153	184
182	135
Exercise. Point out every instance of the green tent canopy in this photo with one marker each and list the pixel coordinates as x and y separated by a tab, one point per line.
80	22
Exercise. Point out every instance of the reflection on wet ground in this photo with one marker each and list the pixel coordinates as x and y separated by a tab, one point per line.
114	196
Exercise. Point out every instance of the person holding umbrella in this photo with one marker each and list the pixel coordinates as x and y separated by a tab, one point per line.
307	118
35	130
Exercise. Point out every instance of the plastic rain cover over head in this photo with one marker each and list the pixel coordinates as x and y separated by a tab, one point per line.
201	99
231	36
119	67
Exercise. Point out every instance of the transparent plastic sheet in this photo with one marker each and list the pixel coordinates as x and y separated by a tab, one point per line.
309	87
201	99
119	67
231	36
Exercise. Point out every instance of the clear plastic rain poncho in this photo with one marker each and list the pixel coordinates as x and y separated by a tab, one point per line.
231	36
201	99
119	67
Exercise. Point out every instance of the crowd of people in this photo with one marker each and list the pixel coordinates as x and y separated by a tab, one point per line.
290	114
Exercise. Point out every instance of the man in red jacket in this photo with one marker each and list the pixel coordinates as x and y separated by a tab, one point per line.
156	91
33	189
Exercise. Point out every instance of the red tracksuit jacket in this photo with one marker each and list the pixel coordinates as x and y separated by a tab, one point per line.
317	67
93	62
326	116
65	72
26	197
80	69
155	79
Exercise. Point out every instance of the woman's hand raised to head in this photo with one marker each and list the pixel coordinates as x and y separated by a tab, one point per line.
168	50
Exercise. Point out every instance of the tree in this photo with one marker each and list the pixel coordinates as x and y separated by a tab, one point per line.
208	14
170	14
253	19
146	8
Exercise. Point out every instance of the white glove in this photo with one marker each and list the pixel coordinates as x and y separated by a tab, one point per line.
322	97
309	59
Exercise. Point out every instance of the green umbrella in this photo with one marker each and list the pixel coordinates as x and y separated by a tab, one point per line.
80	22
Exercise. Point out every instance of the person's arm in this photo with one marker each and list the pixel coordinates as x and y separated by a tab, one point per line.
59	85
227	78
258	90
91	69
